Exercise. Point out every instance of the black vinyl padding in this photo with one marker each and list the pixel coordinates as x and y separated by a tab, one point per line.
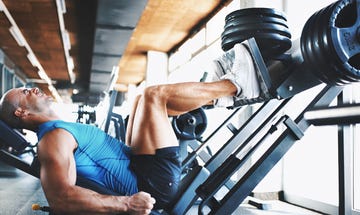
11	137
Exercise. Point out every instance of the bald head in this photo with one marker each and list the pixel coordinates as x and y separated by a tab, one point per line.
8	105
26	108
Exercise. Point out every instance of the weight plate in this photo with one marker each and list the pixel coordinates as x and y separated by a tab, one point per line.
270	45
268	26
330	44
190	125
249	20
344	34
251	11
256	28
312	46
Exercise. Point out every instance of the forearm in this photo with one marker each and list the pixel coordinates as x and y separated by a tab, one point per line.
77	200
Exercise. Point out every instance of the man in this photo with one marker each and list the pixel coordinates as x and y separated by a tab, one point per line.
145	171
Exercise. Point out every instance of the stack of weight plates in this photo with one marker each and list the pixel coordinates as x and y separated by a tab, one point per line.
268	27
330	43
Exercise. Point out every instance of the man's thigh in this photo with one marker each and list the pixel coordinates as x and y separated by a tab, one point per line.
151	129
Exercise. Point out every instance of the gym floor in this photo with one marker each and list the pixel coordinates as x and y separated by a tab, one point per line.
18	191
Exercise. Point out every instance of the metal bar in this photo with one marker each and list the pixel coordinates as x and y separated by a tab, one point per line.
222	124
269	159
232	128
260	118
192	156
259	62
341	114
110	112
232	164
345	142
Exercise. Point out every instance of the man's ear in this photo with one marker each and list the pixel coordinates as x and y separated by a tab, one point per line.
19	112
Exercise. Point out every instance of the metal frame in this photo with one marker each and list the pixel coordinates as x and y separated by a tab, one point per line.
295	71
345	143
116	119
344	115
293	132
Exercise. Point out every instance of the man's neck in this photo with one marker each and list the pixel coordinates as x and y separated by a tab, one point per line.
35	120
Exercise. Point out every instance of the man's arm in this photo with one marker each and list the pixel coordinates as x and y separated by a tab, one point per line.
58	176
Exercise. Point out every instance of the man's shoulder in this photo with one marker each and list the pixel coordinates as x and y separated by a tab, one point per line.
57	136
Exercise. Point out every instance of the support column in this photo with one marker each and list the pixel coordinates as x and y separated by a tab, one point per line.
157	68
345	159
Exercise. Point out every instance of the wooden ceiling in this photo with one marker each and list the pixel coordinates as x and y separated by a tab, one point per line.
163	25
41	30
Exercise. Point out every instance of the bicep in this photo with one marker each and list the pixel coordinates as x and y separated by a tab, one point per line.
57	172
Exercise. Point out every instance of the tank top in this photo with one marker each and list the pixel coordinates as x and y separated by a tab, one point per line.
98	156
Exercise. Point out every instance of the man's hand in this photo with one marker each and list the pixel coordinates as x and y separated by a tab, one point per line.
140	204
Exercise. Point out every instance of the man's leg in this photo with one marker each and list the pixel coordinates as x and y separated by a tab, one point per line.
149	127
156	160
237	79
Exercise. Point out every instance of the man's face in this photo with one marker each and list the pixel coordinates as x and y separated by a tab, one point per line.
29	98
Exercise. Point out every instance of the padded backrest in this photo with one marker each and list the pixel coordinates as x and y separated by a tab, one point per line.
11	137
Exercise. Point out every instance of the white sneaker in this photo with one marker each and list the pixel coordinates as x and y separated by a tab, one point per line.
223	65
238	66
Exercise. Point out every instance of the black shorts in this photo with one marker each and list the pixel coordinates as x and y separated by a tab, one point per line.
158	174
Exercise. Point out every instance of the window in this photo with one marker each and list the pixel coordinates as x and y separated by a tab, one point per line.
8	79
17	82
8	76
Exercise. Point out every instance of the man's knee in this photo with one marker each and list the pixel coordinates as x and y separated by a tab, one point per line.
155	94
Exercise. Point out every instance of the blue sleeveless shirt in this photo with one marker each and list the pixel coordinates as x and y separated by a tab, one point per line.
98	157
